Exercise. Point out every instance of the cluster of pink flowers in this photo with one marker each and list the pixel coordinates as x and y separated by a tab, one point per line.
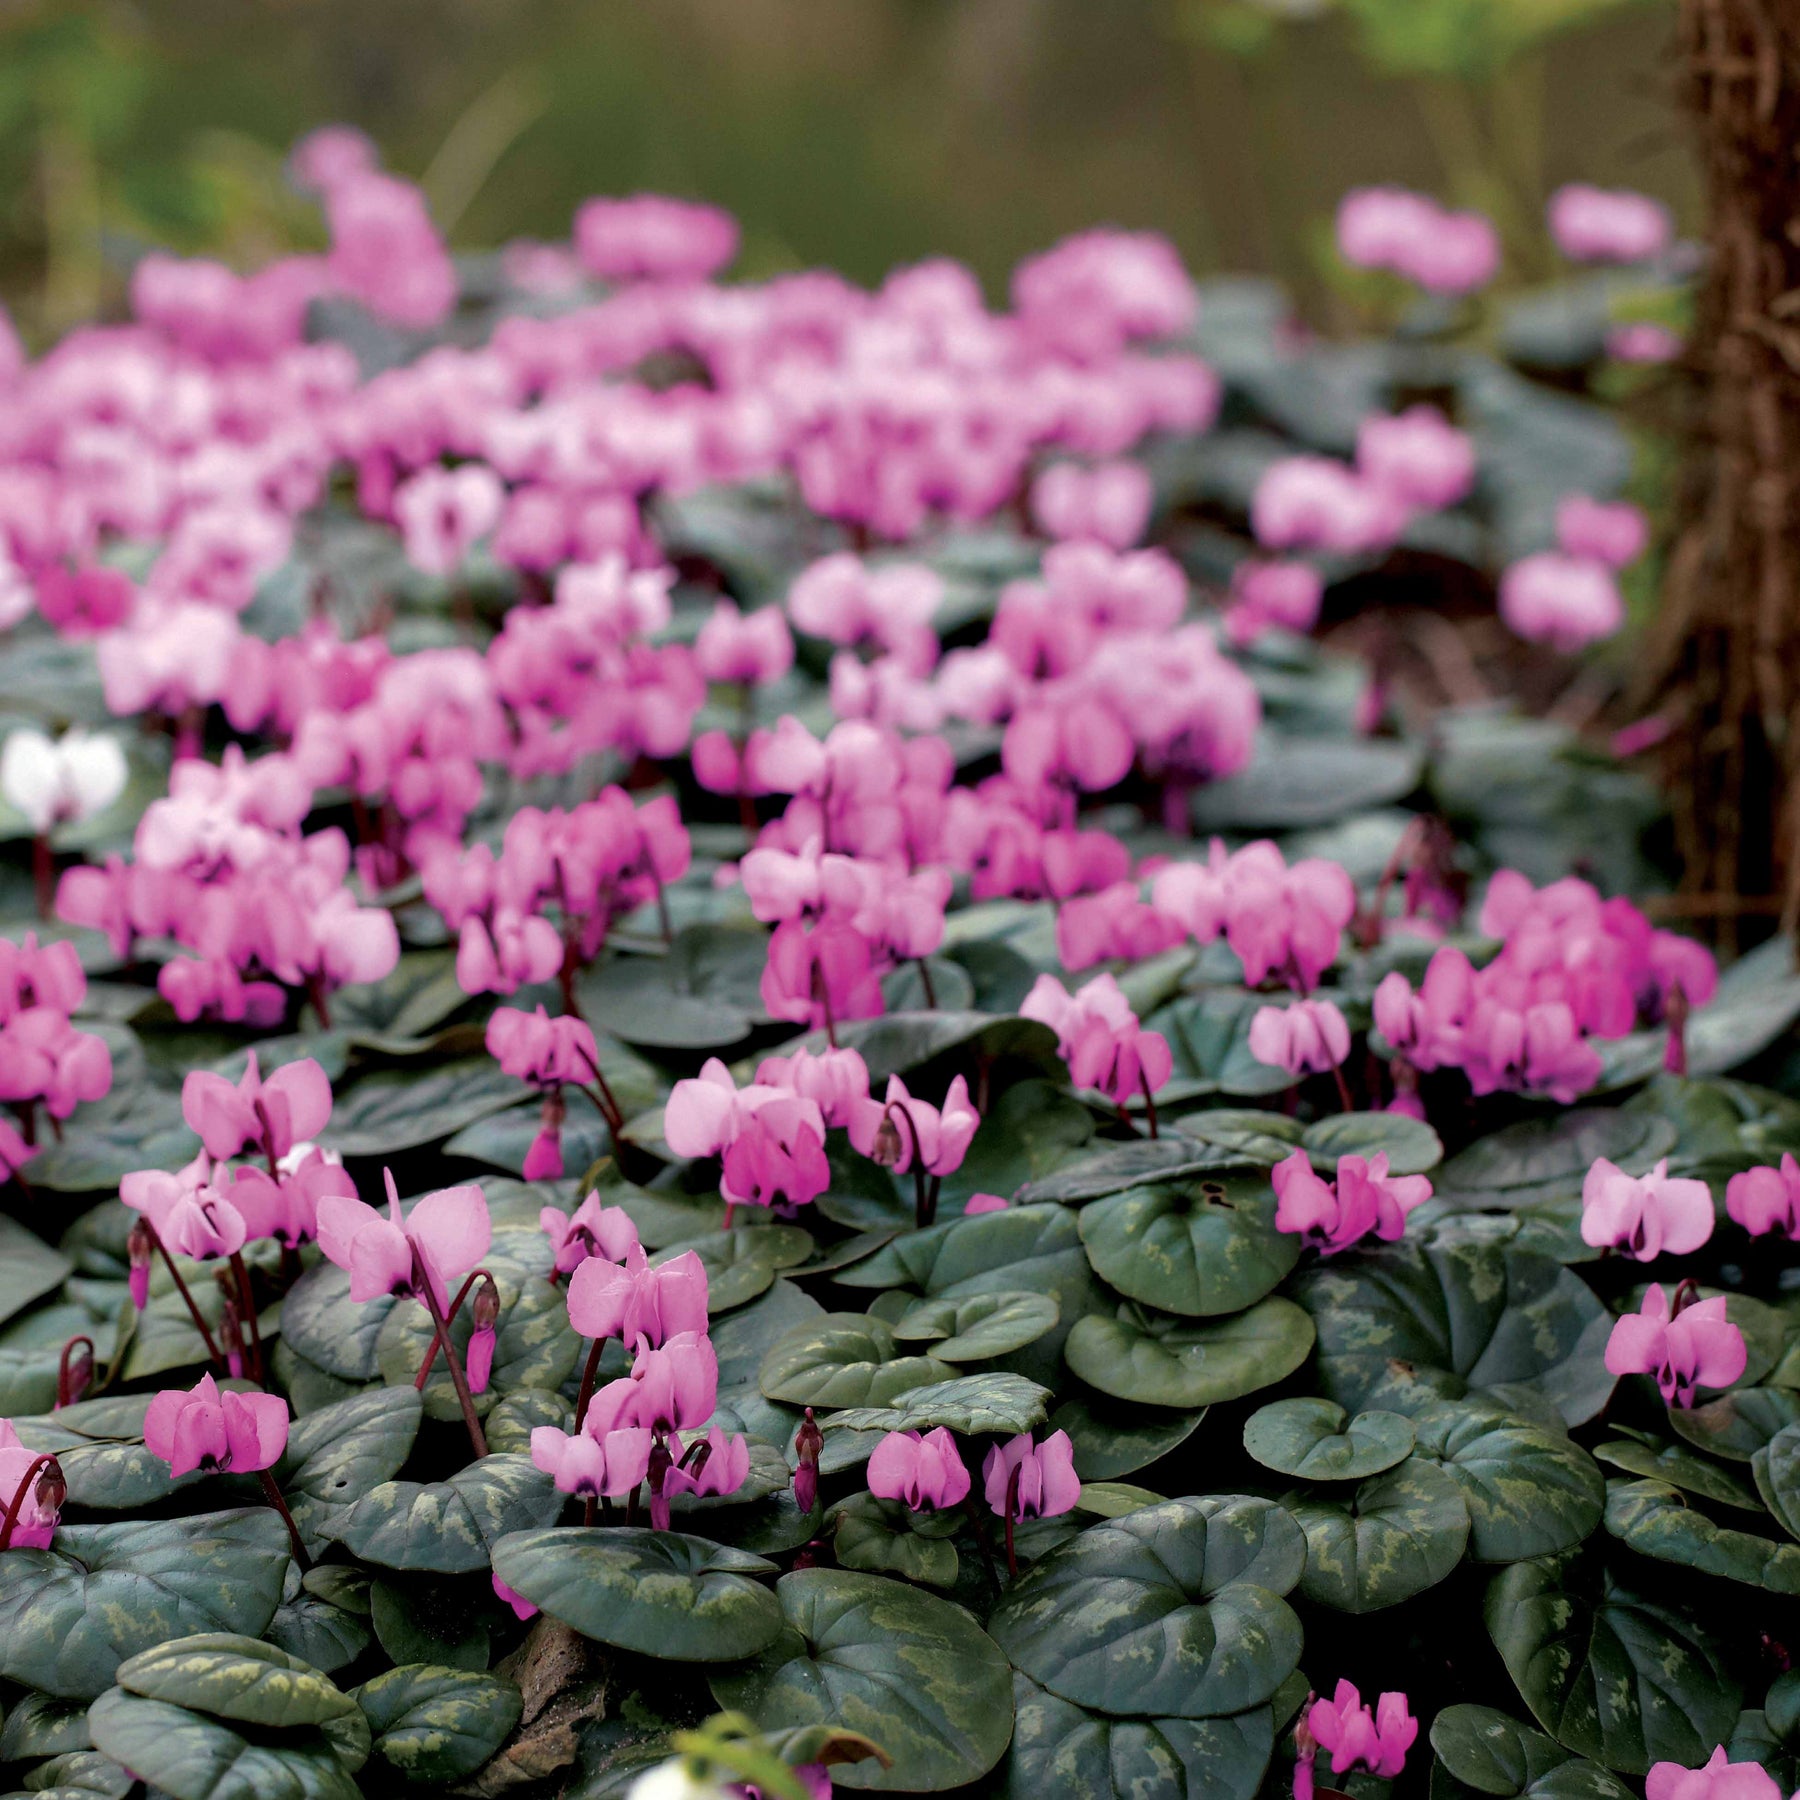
44	1060
1687	1344
223	869
1020	1479
1333	1215
592	864
1099	1037
1412	236
1608	225
1569	596
1571	967
1355	1735
1645	1216
630	1430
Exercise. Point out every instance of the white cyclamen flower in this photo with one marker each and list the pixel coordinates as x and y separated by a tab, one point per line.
55	783
672	1781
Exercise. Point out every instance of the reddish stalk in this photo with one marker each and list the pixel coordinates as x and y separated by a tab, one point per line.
37	1466
181	1287
272	1491
459	1380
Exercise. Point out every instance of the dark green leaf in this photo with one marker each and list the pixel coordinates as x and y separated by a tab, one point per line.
1655	1520
1314	1440
1410	1145
397	1109
979	1326
845	1359
447	1526
1394	1536
1176	1362
967	1404
435	1725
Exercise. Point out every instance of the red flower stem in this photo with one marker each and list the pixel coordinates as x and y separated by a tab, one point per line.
181	1287
1149	1101
462	1293
589	1374
608	1104
925	982
43	874
249	1306
589	1507
822	994
37	1466
64	1395
1012	1506
1343	1088
272	1492
422	1285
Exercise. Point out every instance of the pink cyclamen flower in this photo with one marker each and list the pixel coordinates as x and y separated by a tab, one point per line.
445	1235
898	1130
1099	1037
1644	1215
746	649
35	1523
206	1427
442	512
1024	1480
1109	503
1719	1778
984	1203
1310	1037
630	1299
535	1047
1418	456
521	1607
1643	341
1694	1347
926	1472
1608	225
1563	601
1764	1199
290	1107
191	1216
718	1465
1266	593
834	1080
1315	503
608	1463
1612	532
1332	1216
1356	1737
591	1230
674	1388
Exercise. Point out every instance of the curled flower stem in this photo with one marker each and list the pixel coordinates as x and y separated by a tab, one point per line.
65	1380
431	1350
272	1491
460	1381
181	1287
37	1466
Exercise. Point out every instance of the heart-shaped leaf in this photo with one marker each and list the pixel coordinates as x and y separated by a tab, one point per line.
1543	1159
1173	1610
1111	1439
195	1757
1410	1145
979	1326
1201	1248
1395	1535
967	1404
659	1593
845	1359
398	1109
913	1673
1486	1752
336	1455
1158	1361
1609	1674
876	1536
1314	1440
1738	1424
1656	1520
435	1725
71	1614
1121	1166
447	1526
327	1327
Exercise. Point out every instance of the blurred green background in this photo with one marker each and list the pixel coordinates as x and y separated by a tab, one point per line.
855	133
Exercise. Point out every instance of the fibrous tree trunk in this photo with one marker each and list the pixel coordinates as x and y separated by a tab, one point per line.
1725	662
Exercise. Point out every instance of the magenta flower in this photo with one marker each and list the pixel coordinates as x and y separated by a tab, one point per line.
1719	1778
1691	1347
35	1523
1099	1037
1764	1199
1356	1737
747	649
716	1465
926	1472
1309	1037
445	1235
1564	601
590	1462
521	1607
1644	1215
834	1080
1427	1027
535	1047
1608	225
442	512
285	1206
1331	1216
673	1388
591	1230
772	1142
1316	503
1418	456
1107	504
1614	533
650	236
292	1106
899	1130
630	1300
190	1215
1023	1480
208	1428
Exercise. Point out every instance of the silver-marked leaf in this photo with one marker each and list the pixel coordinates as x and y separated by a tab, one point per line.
1738	1424
1656	1520
450	1526
71	1614
433	1725
1111	1439
1159	1361
978	1326
336	1455
1174	1610
1201	1248
1542	1159
398	1109
1609	1674
656	1592
844	1359
1063	1749
1410	1145
913	1673
1121	1166
966	1404
1395	1535
1681	1468
323	1324
876	1536
195	1757
1486	1752
1314	1440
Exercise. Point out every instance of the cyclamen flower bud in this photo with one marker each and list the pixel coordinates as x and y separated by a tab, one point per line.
809	1441
486	1312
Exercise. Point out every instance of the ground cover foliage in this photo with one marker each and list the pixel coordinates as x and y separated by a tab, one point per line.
1001	1173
